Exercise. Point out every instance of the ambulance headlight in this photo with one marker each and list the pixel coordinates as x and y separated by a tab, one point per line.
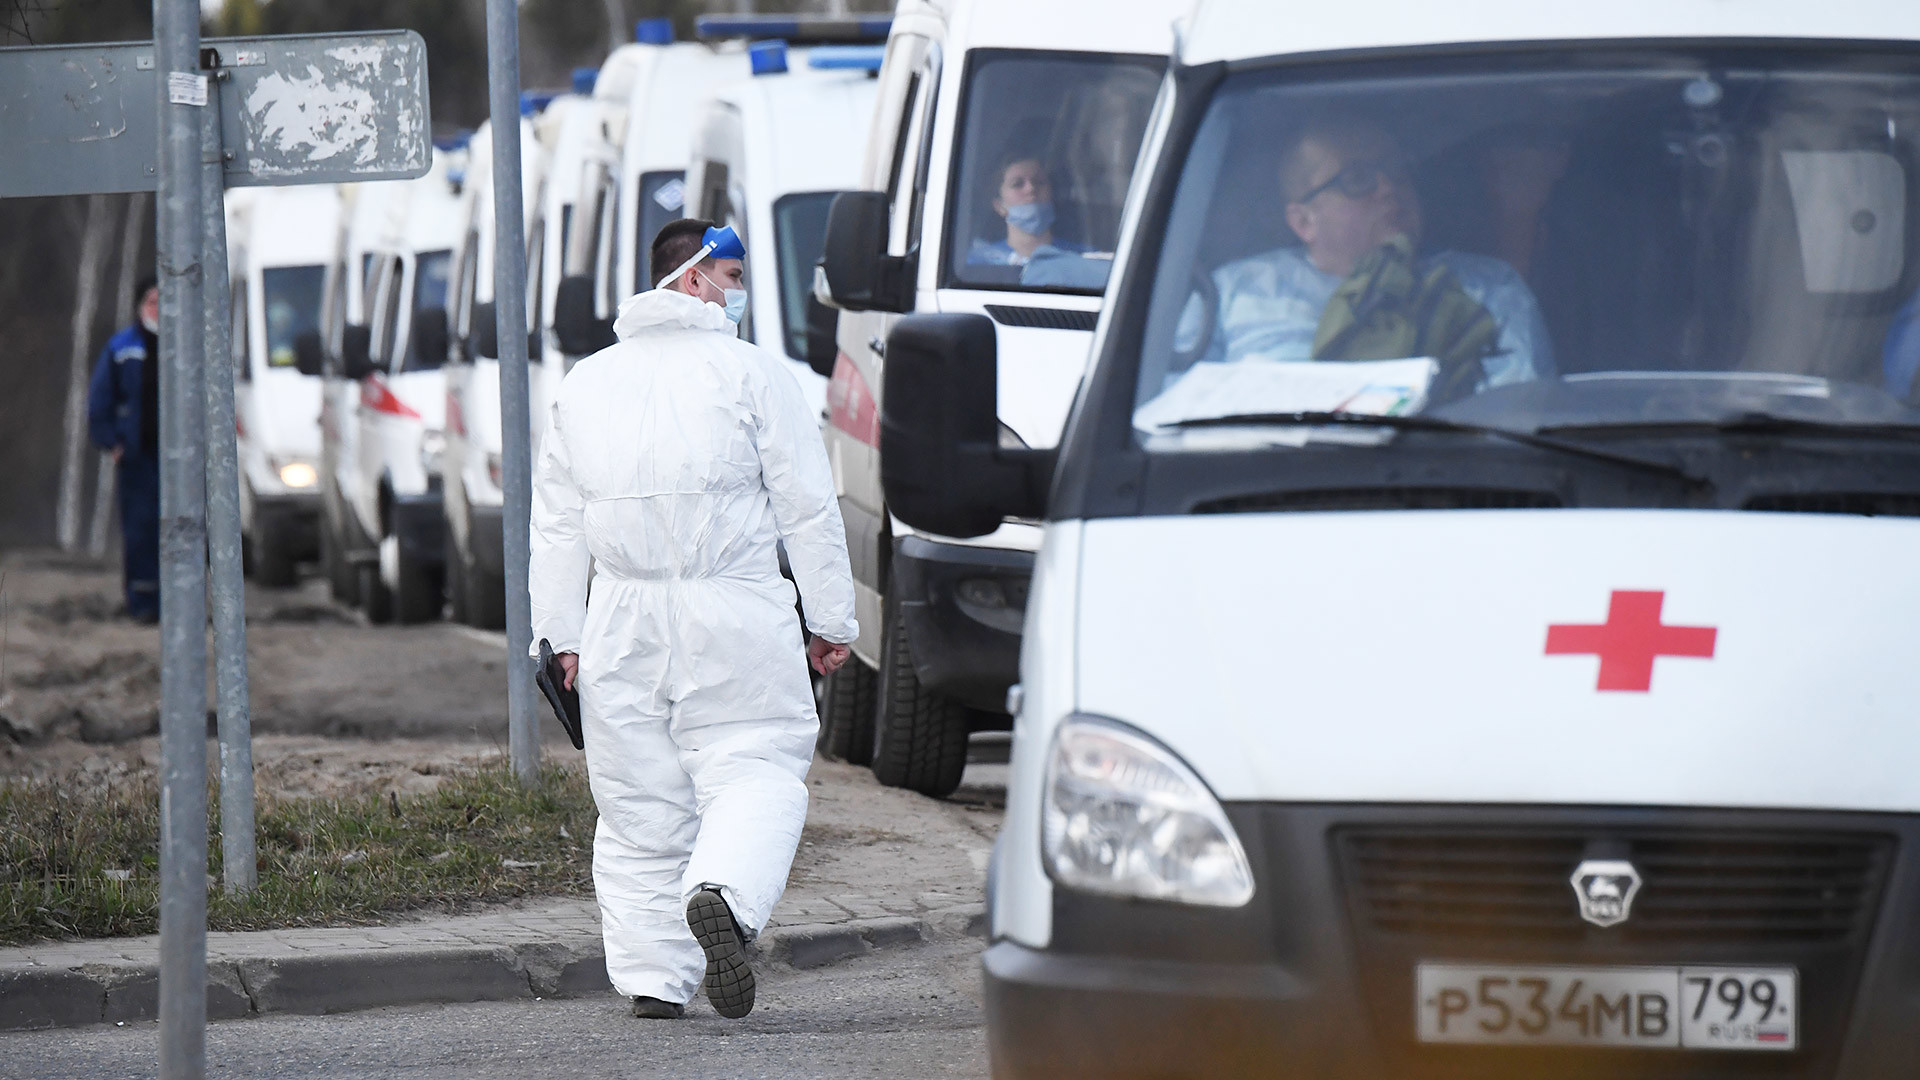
1125	817
298	474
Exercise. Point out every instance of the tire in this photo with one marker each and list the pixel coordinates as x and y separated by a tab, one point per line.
846	713
419	597
486	598
273	564
919	737
456	580
341	580
376	600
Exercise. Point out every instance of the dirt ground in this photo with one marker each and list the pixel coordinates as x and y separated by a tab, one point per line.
337	705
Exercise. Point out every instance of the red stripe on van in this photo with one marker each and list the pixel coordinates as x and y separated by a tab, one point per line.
375	395
850	404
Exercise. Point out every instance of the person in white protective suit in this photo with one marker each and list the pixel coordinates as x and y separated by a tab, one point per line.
673	462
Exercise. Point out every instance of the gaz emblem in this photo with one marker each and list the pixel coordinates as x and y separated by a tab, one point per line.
1605	890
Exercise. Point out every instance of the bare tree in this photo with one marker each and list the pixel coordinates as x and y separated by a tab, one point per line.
86	301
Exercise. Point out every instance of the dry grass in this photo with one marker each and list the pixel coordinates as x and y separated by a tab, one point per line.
82	860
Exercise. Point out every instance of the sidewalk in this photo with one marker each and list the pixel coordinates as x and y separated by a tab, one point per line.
855	887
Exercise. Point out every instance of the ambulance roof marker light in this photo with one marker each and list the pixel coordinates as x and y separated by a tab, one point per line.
583	80
658	31
846	57
532	102
768	57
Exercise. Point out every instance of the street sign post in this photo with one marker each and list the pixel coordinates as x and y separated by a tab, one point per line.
82	119
301	109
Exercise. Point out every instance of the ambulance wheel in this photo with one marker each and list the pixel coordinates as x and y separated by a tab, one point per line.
486	598
376	600
273	564
456	581
919	736
340	576
846	713
418	595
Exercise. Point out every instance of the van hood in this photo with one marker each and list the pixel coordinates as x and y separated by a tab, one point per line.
1733	659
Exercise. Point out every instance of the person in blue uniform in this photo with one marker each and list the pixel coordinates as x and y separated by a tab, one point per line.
123	418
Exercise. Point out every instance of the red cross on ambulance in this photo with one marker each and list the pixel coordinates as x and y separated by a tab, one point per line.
1630	640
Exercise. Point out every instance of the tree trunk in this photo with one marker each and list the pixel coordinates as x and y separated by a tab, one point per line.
93	253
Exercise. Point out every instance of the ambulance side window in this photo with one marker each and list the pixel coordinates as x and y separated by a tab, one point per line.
716	205
387	319
242	348
930	94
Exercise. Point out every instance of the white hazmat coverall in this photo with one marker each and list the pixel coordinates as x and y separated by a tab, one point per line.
672	463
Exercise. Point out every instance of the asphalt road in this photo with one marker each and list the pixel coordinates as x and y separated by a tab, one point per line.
897	1013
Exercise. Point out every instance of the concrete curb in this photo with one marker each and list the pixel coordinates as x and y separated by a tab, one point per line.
349	979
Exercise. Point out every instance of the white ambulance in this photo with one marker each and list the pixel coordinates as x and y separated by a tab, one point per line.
471	470
991	115
1522	689
279	241
769	155
385	407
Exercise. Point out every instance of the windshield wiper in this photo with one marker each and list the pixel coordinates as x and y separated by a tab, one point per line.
1454	427
1753	423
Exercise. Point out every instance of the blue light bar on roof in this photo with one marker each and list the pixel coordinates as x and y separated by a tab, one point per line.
798	29
768	57
653	31
583	80
534	101
846	57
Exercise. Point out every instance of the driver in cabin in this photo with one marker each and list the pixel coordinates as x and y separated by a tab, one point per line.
1357	288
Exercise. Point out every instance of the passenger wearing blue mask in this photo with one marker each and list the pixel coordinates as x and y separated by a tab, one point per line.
674	464
1023	195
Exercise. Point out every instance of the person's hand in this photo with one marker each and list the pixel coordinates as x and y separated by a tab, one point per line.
570	664
117	451
826	656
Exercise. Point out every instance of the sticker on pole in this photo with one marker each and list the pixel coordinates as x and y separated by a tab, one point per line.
187	88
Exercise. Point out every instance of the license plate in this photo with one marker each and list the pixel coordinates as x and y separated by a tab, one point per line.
1697	1008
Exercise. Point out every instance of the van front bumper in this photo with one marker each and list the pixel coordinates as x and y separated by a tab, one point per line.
963	607
1308	981
419	522
294	518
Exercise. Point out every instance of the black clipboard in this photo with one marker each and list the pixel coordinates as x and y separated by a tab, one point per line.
566	703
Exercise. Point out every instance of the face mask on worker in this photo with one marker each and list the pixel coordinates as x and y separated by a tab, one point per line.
736	304
1034	218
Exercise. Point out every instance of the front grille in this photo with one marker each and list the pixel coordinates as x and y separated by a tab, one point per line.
1474	886
1868	504
1384	498
1042	318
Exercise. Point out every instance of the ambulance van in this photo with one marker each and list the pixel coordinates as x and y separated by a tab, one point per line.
386	395
1523	688
470	469
1001	146
769	155
279	240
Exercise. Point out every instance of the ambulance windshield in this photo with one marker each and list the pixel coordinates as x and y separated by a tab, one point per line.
1556	242
1047	152
291	296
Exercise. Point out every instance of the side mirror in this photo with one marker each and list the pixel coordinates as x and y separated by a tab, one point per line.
356	358
941	463
860	275
823	328
579	329
428	336
307	354
483	336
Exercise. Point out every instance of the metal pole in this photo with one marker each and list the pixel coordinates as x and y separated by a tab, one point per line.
183	598
510	313
237	867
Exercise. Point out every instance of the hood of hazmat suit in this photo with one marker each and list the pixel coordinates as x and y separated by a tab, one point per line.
672	464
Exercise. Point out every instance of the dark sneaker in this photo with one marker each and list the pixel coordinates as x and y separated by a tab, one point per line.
652	1008
729	983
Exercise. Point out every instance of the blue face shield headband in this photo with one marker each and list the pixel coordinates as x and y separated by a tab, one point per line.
721	243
